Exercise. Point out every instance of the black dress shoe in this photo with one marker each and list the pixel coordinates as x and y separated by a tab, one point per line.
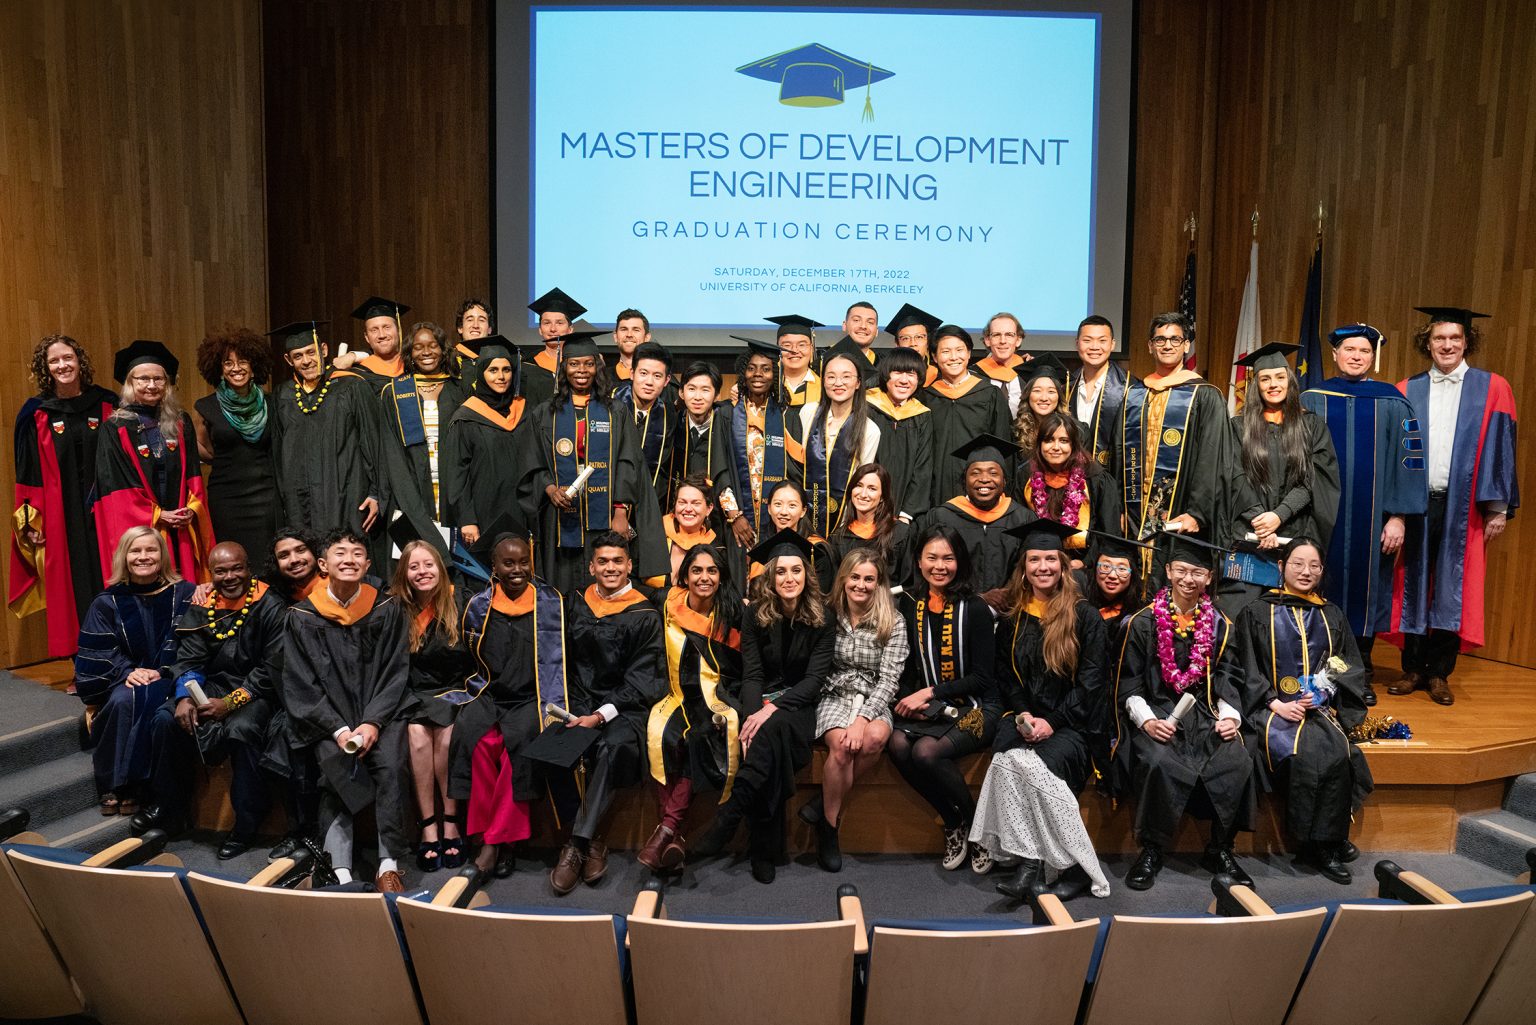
1025	876
156	817
1144	872
712	842
1331	868
286	848
829	853
505	866
1348	852
1221	861
1072	883
1370	696
233	846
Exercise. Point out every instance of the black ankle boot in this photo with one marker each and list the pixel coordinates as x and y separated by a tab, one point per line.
712	842
1072	883
829	855
760	844
1025	876
811	812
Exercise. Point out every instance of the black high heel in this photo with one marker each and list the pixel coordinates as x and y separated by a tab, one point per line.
429	853
451	848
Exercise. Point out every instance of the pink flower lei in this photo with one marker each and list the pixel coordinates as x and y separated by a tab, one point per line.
1071	502
1199	655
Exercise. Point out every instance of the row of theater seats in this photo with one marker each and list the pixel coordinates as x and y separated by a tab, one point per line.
129	936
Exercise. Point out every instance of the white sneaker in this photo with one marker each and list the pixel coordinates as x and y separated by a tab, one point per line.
981	859
954	848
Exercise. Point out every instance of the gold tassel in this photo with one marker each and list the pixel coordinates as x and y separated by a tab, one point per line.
869	108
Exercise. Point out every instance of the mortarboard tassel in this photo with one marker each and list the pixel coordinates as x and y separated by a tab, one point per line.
869	108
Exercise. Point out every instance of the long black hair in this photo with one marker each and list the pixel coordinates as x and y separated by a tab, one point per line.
1293	440
964	584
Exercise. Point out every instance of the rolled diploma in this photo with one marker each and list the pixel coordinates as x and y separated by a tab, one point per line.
353	745
554	711
580	482
195	692
1182	708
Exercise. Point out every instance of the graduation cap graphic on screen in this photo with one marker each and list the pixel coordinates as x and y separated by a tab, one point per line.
816	76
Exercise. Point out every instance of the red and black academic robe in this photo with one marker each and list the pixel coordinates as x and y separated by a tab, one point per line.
55	470
1449	594
139	476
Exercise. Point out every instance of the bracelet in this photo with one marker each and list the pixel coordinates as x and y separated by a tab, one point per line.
240	696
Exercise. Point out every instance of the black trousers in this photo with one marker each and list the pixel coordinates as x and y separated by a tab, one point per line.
1433	653
174	762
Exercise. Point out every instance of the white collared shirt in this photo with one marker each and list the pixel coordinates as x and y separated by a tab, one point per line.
1087	396
1440	433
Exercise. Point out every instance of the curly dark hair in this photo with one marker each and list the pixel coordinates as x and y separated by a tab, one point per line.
450	360
39	366
247	345
1470	332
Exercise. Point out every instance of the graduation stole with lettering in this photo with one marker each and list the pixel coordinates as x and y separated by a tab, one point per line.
1111	394
548	643
591	508
680	627
1147	503
413	428
827	474
755	507
1297	650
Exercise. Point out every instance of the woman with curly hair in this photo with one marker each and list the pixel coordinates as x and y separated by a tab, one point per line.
56	434
235	435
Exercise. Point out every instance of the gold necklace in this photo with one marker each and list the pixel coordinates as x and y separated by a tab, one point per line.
250	596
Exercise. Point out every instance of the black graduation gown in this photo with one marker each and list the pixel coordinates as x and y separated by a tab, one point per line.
1103	502
436	667
55	455
862	359
376	373
1164	776
479	469
327	461
992	551
242	488
682	739
339	675
1327	777
658	429
1307	510
244	661
982	409
706	452
788	662
1206	466
907	452
1102	423
617	658
538	376
408	468
971	683
902	560
1073	706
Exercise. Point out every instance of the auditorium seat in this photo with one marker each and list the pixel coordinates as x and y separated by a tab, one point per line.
128	934
35	983
903	986
1511	991
744	972
564	965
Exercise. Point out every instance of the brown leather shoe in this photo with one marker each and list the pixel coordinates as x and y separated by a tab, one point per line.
650	854
1440	691
567	871
674	853
1409	683
596	865
389	882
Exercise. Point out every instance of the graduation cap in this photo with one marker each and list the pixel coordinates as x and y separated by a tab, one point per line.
909	315
794	324
1337	335
298	334
556	301
1188	548
656	351
1451	315
1269	357
950	331
814	75
758	347
1043	535
580	343
377	306
402	532
1115	546
987	448
1045	365
785	542
561	746
140	352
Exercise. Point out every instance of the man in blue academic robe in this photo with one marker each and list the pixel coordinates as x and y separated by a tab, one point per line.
1381	473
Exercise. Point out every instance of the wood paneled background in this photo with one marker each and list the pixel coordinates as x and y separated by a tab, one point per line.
131	192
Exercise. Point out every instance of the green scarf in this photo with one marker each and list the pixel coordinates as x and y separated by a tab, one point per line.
246	413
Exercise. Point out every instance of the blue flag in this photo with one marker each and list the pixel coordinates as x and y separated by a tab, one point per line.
1187	300
1309	357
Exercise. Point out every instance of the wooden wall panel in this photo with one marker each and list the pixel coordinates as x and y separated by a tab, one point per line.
130	189
378	157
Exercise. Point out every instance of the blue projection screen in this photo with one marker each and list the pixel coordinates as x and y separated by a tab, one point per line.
715	165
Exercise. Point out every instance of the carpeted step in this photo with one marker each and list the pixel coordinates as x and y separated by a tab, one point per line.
40	742
1521	799
1498	839
52	790
87	830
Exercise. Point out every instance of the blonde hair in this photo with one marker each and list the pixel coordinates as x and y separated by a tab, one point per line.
170	410
881	613
1060	620
120	574
768	607
441	598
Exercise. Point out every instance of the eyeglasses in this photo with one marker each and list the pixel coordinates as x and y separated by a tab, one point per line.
1004	334
1169	340
1114	571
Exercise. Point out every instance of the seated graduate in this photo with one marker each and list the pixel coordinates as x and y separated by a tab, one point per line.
906	431
786	511
839	437
853	716
515	629
576	432
963	406
948	707
127	643
1061	481
418	406
703	434
1050	671
647	395
691	523
614	632
691	734
345	670
870	521
763	448
984	512
1114	582
227	644
439	662
1301	668
786	646
480	468
1182	645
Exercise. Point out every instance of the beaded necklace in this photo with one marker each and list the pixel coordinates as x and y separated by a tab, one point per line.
298	396
213	607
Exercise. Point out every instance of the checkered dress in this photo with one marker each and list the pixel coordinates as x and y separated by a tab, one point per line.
864	676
